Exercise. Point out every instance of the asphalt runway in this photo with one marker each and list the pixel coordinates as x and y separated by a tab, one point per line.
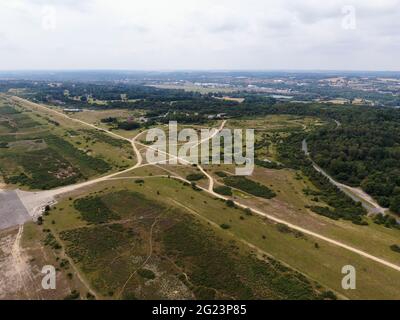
12	211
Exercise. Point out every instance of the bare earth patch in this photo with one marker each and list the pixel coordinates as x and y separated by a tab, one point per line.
16	280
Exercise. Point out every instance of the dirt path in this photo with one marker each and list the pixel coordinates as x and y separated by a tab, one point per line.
147	259
18	263
209	177
81	278
16	278
314	234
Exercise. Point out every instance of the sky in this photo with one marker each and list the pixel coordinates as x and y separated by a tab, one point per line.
200	34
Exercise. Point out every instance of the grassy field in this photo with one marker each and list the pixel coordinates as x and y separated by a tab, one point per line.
43	151
292	201
322	262
129	238
146	249
292	204
95	116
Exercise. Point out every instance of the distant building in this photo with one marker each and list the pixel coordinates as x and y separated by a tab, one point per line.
143	119
72	110
217	116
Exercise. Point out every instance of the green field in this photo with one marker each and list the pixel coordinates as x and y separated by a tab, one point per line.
148	237
322	263
42	152
132	247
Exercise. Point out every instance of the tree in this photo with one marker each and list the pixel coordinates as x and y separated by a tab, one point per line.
128	125
395	204
230	203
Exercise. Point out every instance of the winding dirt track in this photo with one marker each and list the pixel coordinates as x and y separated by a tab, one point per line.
208	190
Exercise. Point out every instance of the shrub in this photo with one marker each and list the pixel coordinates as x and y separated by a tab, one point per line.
221	174
128	125
248	211
94	210
230	203
195	187
89	296
74	295
146	273
51	241
268	164
249	186
223	190
386	220
283	228
395	248
108	120
195	176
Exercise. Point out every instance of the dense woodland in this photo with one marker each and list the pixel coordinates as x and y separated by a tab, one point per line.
364	151
340	205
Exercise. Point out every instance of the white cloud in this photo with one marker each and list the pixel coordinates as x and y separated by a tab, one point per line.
194	34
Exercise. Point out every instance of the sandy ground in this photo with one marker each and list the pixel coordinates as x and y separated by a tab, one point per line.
15	274
21	261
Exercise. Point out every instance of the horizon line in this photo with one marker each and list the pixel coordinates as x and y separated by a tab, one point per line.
200	70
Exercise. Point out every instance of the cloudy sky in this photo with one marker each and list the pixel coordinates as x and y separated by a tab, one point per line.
200	34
